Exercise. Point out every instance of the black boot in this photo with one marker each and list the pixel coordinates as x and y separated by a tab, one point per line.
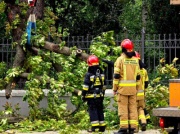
92	129
121	131
143	127
131	130
102	128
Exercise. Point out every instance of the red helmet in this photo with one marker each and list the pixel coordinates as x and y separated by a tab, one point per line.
92	60
127	44
137	55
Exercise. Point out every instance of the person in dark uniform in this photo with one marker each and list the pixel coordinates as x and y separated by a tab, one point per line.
93	92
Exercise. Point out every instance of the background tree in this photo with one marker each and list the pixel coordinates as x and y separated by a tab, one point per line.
130	18
165	16
3	19
93	17
87	17
135	16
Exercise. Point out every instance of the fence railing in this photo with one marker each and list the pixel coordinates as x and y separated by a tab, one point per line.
152	48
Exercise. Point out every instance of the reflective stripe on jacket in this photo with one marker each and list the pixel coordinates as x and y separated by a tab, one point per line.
140	90
141	84
97	82
128	69
93	86
85	87
125	83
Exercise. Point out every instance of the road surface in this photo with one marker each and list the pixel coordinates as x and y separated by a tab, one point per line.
81	132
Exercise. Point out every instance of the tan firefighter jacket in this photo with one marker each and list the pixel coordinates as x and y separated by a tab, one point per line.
126	71
144	77
141	84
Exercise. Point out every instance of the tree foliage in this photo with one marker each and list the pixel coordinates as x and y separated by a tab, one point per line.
60	72
130	18
49	65
3	19
94	17
87	17
157	93
165	16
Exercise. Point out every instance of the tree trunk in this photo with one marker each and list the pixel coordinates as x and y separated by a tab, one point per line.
65	50
144	14
17	32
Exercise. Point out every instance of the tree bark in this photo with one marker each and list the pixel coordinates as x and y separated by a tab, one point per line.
144	14
17	33
65	50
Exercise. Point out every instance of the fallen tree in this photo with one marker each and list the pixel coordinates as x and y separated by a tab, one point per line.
45	64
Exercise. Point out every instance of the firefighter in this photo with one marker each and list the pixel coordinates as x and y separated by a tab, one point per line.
126	74
142	85
93	92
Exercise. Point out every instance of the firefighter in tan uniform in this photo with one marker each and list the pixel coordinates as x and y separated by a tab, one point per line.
126	74
141	86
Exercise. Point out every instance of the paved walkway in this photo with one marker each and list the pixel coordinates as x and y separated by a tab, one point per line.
111	132
82	132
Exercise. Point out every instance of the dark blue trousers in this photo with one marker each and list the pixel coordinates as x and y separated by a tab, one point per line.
95	109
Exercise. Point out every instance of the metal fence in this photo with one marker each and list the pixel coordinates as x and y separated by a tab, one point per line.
152	48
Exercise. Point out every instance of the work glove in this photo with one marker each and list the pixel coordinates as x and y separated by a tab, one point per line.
8	96
115	92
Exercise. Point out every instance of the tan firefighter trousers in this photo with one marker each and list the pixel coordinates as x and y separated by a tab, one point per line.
127	111
140	109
